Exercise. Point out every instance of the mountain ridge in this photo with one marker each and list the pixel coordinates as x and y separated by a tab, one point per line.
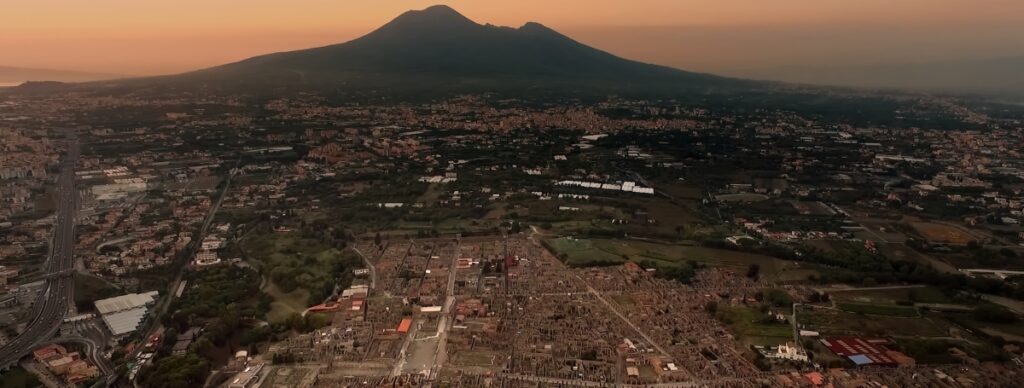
439	46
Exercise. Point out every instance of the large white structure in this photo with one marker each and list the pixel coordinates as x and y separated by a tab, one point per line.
119	190
124	313
789	351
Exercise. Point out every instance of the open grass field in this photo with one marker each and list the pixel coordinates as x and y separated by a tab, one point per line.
669	220
1009	331
676	253
285	376
198	183
680	190
478	358
815	208
935	350
879	309
924	338
432	194
300	270
901	252
741	197
285	304
746	324
838	322
893	296
943	234
584	252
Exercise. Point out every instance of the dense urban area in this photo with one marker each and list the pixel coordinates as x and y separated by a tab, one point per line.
188	240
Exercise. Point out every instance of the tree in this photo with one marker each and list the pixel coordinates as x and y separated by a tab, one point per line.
203	346
711	307
753	271
776	297
183	371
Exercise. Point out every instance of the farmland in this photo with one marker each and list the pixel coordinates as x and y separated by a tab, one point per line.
584	252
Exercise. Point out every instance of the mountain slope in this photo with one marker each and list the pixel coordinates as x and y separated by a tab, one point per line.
439	46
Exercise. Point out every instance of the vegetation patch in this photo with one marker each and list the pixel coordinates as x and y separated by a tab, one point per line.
754	326
184	371
294	261
582	252
89	288
879	309
284	305
18	377
896	296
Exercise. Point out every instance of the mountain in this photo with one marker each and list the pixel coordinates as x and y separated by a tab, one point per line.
17	75
438	47
990	76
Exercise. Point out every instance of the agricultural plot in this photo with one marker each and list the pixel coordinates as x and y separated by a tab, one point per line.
943	234
589	252
879	309
754	327
893	296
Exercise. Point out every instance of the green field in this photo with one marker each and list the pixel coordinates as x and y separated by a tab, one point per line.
583	252
748	324
301	271
285	304
1010	331
894	296
879	309
669	221
838	322
589	252
741	197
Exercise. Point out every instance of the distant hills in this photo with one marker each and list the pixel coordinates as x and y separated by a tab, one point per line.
421	51
16	75
989	76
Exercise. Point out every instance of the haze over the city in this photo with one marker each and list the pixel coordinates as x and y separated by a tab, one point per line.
840	41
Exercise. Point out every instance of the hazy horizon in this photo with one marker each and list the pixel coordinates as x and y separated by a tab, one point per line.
745	38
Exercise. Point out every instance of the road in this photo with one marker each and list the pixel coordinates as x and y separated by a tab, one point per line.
615	311
441	356
369	266
844	289
55	298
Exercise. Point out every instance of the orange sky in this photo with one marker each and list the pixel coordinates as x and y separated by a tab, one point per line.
162	36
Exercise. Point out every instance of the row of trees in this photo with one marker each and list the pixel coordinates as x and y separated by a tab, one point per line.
222	300
861	267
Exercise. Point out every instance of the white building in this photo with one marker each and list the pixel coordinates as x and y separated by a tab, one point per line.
124	313
789	351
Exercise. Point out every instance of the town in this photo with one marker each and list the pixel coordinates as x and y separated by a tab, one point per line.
473	242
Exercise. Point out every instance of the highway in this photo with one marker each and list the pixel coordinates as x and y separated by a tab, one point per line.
56	296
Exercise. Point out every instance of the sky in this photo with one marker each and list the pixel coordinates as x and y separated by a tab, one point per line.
143	37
